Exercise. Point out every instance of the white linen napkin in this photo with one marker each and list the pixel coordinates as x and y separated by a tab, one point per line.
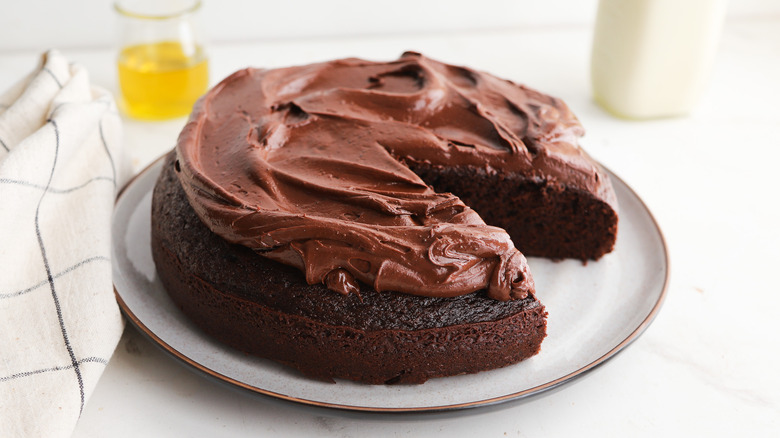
59	172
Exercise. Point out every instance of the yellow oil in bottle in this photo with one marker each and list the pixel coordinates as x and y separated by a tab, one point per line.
161	81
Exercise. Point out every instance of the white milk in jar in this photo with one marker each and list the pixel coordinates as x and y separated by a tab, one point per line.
651	58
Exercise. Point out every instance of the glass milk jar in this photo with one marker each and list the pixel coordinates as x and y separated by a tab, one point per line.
652	58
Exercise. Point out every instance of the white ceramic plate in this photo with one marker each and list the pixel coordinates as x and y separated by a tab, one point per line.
595	311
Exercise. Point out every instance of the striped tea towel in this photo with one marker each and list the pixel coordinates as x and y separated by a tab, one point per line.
59	321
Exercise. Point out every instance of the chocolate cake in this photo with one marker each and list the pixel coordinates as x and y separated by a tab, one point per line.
341	217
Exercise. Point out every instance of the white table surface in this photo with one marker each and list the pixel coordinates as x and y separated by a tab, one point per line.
708	364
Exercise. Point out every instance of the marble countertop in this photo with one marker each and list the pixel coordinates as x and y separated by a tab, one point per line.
705	367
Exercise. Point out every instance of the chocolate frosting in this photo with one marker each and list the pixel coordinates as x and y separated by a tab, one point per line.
305	165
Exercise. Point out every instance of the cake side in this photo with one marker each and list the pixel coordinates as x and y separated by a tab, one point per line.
267	309
543	218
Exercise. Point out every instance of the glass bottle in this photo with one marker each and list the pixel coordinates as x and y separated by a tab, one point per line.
652	58
162	65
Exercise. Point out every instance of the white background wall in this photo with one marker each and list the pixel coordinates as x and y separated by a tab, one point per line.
83	24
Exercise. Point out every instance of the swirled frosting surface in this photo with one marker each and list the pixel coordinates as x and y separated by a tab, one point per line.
305	165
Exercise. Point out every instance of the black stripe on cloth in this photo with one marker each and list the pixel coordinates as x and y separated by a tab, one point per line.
108	152
56	190
51	73
2	143
49	275
44	282
48	370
